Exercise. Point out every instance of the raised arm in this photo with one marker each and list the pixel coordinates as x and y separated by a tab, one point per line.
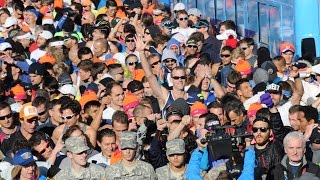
158	90
298	87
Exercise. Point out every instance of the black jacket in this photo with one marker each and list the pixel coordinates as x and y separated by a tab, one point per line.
281	171
269	157
157	151
277	126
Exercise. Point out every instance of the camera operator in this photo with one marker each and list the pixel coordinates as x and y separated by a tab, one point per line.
235	112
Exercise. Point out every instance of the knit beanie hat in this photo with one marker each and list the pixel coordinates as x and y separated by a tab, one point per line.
18	92
198	108
232	42
243	67
87	96
253	108
130	101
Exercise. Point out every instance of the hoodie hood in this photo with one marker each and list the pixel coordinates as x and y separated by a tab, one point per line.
174	42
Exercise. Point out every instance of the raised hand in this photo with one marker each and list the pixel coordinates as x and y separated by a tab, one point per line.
186	120
140	45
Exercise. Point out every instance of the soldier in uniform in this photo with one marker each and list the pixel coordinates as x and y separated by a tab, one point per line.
80	169
176	168
130	168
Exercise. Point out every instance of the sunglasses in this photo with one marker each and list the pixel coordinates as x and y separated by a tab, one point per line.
153	65
183	19
225	55
262	129
32	120
42	113
170	60
244	48
179	77
5	117
45	148
192	46
67	117
80	153
133	63
130	40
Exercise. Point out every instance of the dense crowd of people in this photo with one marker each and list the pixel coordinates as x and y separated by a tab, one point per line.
144	89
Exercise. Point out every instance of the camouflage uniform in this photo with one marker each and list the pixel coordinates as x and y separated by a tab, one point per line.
141	170
176	146
91	172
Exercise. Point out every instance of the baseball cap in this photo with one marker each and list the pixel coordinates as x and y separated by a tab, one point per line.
36	68
195	12
28	111
179	6
128	140
260	75
287	46
271	70
68	89
167	23
10	21
198	108
202	23
46	34
173	113
23	157
135	86
4	46
274	88
64	78
225	35
76	145
192	41
176	146
26	36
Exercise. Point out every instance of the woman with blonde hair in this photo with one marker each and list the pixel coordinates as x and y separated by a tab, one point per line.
25	167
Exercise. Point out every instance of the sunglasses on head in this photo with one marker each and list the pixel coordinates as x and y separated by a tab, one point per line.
30	121
130	40
154	64
262	129
179	77
67	117
192	46
7	116
225	55
133	63
183	19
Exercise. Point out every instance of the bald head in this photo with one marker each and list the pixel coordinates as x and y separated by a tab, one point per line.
100	47
87	18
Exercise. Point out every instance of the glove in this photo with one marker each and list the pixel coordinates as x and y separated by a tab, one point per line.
266	99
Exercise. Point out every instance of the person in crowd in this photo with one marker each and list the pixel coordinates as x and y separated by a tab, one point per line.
24	166
7	126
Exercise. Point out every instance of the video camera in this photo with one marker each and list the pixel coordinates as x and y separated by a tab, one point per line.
222	143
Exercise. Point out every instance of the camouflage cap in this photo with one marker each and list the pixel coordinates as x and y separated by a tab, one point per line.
175	146
128	140
76	145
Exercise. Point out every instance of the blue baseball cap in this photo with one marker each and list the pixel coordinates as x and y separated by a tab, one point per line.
23	157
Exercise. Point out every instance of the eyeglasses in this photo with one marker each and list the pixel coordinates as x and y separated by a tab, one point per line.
133	63
183	19
179	77
42	113
6	117
170	60
192	46
130	40
32	120
147	33
45	148
67	117
262	129
153	65
244	48
225	55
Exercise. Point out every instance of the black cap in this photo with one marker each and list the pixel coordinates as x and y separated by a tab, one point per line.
36	68
202	23
167	23
271	69
64	78
173	113
106	81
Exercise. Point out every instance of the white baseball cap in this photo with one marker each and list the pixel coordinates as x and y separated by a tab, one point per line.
179	6
46	35
225	35
68	89
10	21
4	46
195	12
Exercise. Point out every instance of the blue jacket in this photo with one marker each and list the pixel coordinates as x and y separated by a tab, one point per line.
249	165
193	169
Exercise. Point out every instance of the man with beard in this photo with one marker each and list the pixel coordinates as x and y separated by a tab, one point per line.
268	150
176	169
42	41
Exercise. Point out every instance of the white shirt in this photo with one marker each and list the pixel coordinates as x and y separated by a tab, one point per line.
107	114
100	160
284	113
186	32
